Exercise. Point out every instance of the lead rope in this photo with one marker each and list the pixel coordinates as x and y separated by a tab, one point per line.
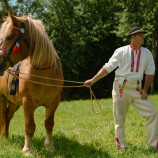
92	95
91	92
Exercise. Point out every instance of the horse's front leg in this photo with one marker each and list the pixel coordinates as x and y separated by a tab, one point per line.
49	124
3	109
29	123
11	109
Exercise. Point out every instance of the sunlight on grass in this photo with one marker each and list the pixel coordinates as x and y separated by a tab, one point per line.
78	132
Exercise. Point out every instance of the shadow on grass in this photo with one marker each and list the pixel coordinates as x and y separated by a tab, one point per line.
138	150
64	147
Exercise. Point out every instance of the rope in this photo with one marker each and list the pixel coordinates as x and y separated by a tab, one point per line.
92	95
9	70
91	92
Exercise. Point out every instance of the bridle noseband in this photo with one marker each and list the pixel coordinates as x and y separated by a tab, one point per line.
5	55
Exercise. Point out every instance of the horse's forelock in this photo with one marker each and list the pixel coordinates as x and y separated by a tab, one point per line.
6	27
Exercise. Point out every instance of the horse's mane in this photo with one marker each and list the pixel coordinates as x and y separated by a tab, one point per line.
42	50
6	28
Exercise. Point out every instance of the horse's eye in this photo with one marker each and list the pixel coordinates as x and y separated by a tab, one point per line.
9	38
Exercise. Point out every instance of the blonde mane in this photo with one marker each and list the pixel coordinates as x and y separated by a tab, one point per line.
6	28
43	53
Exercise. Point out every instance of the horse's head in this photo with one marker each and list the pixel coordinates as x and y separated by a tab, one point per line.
14	41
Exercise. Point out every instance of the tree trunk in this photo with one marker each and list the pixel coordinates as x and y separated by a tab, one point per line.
154	53
156	64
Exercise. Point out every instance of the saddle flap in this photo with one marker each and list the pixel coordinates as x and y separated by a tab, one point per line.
15	81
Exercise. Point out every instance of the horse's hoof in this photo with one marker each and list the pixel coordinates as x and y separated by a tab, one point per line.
50	148
26	150
28	154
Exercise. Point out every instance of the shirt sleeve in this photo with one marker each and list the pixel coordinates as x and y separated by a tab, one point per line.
113	61
150	66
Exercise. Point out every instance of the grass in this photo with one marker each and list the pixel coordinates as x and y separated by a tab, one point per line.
78	132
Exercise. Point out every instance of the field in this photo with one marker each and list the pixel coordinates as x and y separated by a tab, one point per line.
79	132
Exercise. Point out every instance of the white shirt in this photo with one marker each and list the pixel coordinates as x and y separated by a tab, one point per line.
131	64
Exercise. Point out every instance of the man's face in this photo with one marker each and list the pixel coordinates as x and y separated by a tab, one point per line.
138	38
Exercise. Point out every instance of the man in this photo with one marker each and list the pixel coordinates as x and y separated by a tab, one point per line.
132	61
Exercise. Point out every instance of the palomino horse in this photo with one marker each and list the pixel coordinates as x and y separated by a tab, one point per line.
38	57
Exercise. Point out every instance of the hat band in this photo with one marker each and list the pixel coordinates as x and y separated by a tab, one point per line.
137	31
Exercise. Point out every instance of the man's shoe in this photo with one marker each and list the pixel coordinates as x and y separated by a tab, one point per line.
119	146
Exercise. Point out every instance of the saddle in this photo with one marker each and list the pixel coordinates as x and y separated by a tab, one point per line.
15	81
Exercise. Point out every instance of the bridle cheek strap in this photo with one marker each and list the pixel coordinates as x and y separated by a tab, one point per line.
5	55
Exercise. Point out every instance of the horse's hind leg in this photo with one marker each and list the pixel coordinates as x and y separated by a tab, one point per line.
49	124
29	123
11	109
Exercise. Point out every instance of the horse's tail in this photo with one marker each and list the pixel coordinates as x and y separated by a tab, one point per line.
3	114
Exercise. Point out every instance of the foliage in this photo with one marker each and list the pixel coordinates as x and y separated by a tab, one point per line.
144	14
86	33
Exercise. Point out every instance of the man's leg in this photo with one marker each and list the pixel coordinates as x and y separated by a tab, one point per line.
120	109
147	110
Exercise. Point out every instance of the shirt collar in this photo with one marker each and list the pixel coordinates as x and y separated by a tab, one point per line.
132	47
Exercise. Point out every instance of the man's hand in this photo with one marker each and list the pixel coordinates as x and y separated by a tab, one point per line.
88	83
101	73
144	94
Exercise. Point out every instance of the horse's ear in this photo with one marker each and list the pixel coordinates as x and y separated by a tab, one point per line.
4	18
13	18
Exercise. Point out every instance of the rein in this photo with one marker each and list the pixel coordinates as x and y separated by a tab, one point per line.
92	95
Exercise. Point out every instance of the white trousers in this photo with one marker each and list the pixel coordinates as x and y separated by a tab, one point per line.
125	95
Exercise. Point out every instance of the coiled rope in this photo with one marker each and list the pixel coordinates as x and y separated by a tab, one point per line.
92	95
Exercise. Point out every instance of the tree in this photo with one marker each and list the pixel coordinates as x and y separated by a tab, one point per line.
86	33
143	14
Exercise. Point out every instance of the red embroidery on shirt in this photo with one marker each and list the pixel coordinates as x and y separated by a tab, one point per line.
138	60
150	76
132	59
105	70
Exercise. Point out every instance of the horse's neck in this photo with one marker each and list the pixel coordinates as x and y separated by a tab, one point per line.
29	64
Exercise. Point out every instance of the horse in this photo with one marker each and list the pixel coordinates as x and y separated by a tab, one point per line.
24	40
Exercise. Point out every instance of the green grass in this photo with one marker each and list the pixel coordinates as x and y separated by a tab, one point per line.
78	132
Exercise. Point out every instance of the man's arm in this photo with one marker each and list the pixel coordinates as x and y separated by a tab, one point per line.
107	68
148	81
101	73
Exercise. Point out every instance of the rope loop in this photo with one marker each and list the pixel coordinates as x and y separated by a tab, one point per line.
92	95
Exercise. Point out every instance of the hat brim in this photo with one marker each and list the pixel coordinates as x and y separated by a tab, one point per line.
135	32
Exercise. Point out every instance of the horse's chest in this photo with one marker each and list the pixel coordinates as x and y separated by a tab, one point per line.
40	95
